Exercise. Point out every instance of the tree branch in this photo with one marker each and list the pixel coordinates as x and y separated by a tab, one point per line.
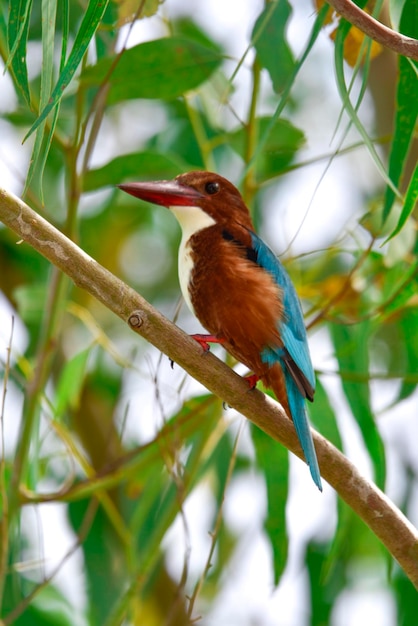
388	523
401	44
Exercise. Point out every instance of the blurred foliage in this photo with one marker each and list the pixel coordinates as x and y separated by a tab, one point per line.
169	101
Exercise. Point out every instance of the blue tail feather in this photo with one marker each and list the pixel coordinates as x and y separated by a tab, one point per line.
293	355
300	419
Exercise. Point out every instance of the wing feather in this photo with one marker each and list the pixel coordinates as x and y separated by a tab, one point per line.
292	330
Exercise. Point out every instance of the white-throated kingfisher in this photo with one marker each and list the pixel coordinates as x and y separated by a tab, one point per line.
239	290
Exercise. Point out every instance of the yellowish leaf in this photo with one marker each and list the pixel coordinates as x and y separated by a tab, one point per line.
354	39
131	10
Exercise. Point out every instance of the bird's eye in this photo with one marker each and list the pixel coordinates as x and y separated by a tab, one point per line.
212	188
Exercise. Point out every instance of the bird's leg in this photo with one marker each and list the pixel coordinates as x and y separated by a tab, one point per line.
252	380
205	340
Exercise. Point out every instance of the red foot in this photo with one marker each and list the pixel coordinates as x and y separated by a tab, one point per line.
205	340
252	380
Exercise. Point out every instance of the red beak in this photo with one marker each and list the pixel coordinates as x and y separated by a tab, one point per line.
163	192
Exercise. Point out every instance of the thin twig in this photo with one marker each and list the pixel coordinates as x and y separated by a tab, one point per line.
218	522
343	289
81	536
4	545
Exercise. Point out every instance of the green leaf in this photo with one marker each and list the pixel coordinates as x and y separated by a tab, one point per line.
71	383
400	286
131	10
161	69
395	10
269	37
30	300
323	416
104	560
401	246
406	109
49	11
409	204
48	607
323	593
408	328
51	607
91	21
315	33
406	599
48	142
141	165
18	29
160	502
351	349
273	461
350	110
3	33
406	116
188	29
283	141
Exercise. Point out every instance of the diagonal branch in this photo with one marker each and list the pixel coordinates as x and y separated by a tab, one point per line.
399	43
387	522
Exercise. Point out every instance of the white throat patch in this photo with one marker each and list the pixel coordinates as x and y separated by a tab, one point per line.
192	219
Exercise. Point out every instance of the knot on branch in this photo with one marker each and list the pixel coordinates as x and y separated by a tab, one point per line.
136	319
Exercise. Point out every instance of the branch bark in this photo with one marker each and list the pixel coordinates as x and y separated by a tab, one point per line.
387	522
399	43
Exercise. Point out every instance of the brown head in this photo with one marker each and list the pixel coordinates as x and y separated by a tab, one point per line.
214	195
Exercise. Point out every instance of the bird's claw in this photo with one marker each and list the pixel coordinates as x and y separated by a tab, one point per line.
202	342
205	340
252	380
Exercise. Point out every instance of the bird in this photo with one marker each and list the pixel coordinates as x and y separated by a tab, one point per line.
239	290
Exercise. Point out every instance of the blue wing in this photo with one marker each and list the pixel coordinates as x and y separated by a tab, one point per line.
292	327
294	356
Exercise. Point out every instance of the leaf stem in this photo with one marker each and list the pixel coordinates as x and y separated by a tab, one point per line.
250	180
200	135
4	522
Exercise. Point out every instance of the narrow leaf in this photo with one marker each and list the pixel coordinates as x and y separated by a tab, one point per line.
49	11
273	461
49	606
323	593
323	416
166	501
315	32
408	326
3	34
395	10
164	69
283	141
70	383
350	109
406	107
65	30
103	555
351	349
91	21
408	205
406	117
18	30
